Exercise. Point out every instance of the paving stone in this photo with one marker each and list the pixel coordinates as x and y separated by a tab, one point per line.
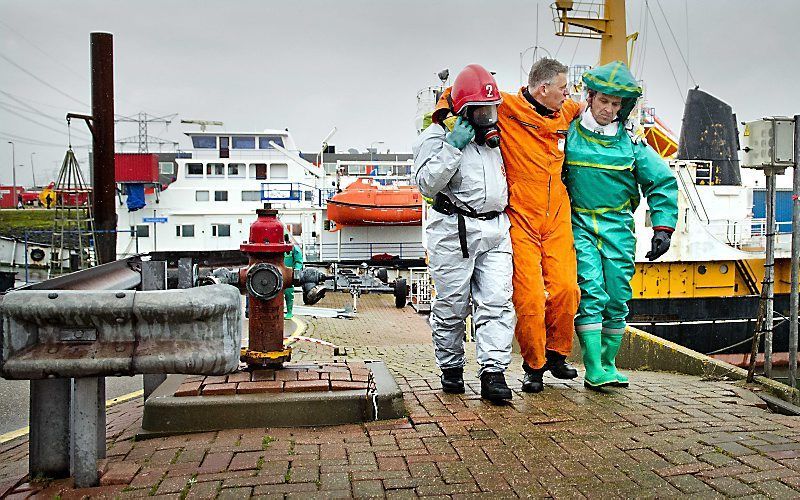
775	489
730	486
259	375
235	493
119	473
218	389
188	389
308	375
347	385
240	377
368	489
245	461
260	386
285	375
688	484
305	385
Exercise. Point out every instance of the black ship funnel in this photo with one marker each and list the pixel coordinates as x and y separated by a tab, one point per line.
709	132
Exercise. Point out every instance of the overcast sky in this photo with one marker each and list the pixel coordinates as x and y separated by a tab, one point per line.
356	65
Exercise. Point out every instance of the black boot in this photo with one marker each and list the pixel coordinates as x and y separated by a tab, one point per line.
532	382
494	388
453	380
557	364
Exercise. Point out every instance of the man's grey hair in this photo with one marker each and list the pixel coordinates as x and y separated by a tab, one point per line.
543	71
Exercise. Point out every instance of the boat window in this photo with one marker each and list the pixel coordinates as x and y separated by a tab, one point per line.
258	171
264	141
236	169
184	230
220	196
251	195
194	169
204	141
201	195
356	169
278	171
141	231
215	169
308	195
243	142
166	167
220	230
223	142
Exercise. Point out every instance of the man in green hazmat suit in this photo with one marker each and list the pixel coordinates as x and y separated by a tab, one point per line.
292	259
606	166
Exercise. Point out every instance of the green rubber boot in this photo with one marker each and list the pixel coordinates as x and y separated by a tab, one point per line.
608	355
591	346
288	295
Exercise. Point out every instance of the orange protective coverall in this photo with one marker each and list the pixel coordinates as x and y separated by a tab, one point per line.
546	293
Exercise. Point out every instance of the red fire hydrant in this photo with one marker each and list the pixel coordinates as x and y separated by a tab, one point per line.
264	280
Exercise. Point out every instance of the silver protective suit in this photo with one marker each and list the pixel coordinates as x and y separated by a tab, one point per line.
474	178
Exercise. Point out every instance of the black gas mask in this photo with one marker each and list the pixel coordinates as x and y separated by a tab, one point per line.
484	120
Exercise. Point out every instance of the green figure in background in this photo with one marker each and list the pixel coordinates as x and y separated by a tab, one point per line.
292	259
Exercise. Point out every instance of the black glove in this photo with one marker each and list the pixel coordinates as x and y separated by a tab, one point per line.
660	244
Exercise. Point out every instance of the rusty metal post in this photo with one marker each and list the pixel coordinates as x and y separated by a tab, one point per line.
102	48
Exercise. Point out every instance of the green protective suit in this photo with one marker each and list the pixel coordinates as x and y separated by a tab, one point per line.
293	260
604	176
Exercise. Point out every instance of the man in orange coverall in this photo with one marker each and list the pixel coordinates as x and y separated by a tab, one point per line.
533	125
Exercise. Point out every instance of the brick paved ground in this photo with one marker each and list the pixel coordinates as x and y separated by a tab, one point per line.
667	436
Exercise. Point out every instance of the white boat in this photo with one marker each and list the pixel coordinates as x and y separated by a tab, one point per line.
206	211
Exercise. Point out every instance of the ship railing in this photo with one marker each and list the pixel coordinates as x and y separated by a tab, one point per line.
759	227
733	232
364	251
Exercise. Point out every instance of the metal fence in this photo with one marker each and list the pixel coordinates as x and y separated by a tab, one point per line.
363	251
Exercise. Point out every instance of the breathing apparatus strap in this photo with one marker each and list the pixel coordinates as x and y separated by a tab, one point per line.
444	205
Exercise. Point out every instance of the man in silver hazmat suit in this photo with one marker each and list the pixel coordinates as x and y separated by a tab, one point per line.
459	166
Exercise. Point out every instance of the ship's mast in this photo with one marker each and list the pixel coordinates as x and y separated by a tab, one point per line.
598	20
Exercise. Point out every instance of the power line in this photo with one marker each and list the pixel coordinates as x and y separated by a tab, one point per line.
666	55
680	52
40	103
48	127
35	142
43	82
54	59
31	109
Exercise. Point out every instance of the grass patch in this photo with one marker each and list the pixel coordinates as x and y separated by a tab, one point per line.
265	442
20	220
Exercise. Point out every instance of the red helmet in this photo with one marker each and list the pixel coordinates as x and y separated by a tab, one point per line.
474	85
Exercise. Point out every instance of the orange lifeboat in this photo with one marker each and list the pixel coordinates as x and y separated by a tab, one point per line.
364	204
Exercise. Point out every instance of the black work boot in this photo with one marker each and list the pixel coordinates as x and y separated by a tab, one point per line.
557	364
453	380
494	388
532	382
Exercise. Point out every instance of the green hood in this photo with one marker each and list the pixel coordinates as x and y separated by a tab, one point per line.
615	79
